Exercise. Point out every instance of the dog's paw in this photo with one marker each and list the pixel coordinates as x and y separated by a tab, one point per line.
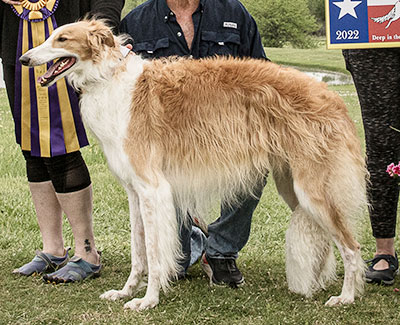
114	295
339	300
141	304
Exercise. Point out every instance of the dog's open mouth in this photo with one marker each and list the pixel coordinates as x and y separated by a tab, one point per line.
60	66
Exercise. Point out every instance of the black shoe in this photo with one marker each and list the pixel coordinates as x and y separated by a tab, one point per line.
222	271
385	276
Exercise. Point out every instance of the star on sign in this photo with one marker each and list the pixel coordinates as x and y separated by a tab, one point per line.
347	7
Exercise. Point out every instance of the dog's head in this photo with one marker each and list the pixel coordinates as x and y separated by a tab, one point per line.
72	46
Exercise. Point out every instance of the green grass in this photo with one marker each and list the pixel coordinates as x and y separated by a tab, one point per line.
264	299
319	58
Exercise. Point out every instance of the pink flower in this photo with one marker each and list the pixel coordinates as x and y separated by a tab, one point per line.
393	170
389	169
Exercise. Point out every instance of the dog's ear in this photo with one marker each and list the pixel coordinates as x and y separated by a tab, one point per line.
100	34
108	37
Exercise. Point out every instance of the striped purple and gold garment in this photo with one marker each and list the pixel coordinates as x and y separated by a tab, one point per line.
47	120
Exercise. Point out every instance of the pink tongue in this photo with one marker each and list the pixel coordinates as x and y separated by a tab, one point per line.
51	70
48	73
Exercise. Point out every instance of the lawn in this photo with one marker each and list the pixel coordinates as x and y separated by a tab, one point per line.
264	299
319	58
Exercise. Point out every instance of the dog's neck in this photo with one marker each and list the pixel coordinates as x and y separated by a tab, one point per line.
90	75
106	98
86	79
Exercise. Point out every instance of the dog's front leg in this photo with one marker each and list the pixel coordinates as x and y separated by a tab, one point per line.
161	239
138	252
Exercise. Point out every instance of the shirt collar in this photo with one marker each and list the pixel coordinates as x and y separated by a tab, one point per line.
163	10
166	13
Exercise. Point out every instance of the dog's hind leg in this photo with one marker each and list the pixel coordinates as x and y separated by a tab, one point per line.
354	273
161	240
138	252
325	192
310	263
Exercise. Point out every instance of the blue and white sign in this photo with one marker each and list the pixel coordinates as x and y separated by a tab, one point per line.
362	23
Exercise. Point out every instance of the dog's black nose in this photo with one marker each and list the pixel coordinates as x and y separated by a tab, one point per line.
24	60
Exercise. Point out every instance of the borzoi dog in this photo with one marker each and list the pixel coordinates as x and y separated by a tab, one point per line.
182	132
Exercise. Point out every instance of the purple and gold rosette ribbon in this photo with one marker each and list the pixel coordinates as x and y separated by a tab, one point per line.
47	120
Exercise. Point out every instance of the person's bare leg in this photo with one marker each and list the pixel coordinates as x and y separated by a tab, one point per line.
78	209
49	217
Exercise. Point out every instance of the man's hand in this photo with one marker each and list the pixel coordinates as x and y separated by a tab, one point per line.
12	2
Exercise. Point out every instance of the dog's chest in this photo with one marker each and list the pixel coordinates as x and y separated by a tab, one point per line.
106	115
108	118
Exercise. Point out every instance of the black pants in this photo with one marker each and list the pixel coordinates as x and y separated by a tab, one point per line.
376	75
68	172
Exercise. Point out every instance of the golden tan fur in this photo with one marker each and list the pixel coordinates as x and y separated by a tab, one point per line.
248	103
225	114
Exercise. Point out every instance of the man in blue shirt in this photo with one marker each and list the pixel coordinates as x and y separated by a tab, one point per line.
197	29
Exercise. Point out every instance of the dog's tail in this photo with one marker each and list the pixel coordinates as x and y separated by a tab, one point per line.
310	262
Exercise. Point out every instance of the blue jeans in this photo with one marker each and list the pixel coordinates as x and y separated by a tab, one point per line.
226	236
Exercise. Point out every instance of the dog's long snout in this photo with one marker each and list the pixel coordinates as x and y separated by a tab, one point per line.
24	60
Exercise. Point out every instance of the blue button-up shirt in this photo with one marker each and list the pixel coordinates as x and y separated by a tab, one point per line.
221	27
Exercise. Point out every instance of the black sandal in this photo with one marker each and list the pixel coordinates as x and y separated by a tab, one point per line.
385	276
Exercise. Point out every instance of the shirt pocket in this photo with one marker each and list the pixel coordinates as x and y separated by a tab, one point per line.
151	48
220	43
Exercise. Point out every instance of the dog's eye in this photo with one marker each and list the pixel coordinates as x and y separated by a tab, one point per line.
61	39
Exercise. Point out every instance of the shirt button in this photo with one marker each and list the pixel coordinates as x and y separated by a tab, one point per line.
179	34
171	13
